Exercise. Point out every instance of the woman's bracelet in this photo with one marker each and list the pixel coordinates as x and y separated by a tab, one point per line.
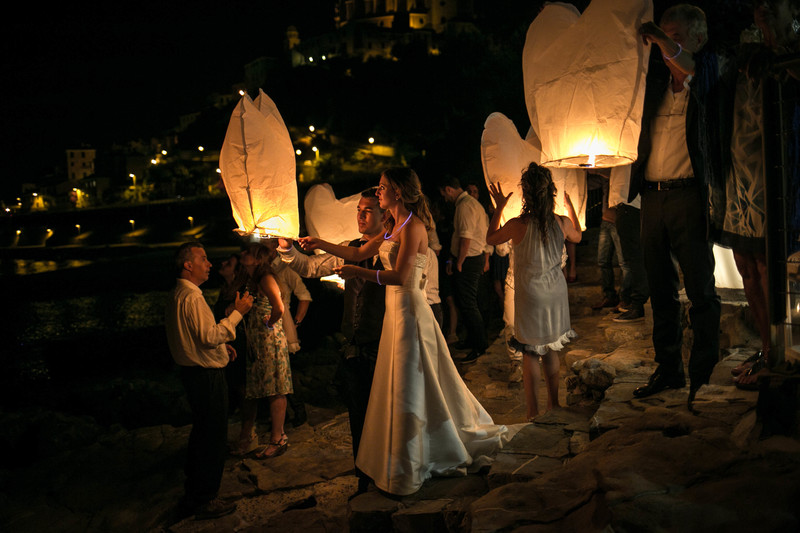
378	277
670	58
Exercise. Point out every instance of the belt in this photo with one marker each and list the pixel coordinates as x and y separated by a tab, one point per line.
667	185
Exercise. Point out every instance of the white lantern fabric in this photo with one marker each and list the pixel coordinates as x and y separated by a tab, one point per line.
257	162
328	218
505	155
584	79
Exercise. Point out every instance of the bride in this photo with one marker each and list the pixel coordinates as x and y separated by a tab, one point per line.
421	418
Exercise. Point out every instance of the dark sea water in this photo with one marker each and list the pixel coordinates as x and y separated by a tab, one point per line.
84	333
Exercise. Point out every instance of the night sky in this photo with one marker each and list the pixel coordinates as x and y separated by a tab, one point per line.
97	72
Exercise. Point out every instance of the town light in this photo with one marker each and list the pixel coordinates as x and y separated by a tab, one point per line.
163	152
311	128
371	140
78	227
191	221
133	224
200	148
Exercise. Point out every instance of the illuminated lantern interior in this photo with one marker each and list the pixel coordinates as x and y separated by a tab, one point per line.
257	163
584	81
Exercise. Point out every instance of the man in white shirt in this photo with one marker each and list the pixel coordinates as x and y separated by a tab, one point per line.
197	343
467	247
678	158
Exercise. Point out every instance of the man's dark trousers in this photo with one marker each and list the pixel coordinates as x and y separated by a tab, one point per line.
466	293
207	392
674	225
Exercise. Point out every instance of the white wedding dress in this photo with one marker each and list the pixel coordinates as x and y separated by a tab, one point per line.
422	420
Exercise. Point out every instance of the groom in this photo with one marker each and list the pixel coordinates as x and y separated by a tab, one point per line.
362	319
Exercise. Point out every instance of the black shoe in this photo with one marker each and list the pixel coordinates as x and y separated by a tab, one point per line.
631	315
471	357
659	381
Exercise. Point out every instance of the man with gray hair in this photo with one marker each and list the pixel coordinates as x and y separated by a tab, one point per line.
679	156
198	345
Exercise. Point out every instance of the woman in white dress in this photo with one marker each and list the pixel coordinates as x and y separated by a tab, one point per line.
541	306
421	419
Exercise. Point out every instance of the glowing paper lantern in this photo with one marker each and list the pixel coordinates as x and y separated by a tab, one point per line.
584	81
505	155
328	218
257	163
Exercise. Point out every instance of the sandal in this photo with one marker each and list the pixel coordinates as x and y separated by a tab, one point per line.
748	380
274	449
747	363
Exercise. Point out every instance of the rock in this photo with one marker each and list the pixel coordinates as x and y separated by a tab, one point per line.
370	512
573	356
519	467
428	515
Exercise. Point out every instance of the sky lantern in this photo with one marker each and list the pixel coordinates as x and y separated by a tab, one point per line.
328	218
505	155
257	164
331	219
584	81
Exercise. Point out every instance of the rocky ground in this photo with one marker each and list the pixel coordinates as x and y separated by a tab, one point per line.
602	462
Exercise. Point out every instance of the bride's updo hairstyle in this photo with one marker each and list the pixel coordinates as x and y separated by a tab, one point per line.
406	184
538	197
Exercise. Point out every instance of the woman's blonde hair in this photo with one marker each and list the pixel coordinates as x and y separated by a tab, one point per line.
409	189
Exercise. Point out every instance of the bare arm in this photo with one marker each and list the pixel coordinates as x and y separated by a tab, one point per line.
570	226
348	253
268	286
513	230
309	266
672	52
302	309
412	238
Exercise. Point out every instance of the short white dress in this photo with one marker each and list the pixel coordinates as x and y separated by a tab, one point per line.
541	304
